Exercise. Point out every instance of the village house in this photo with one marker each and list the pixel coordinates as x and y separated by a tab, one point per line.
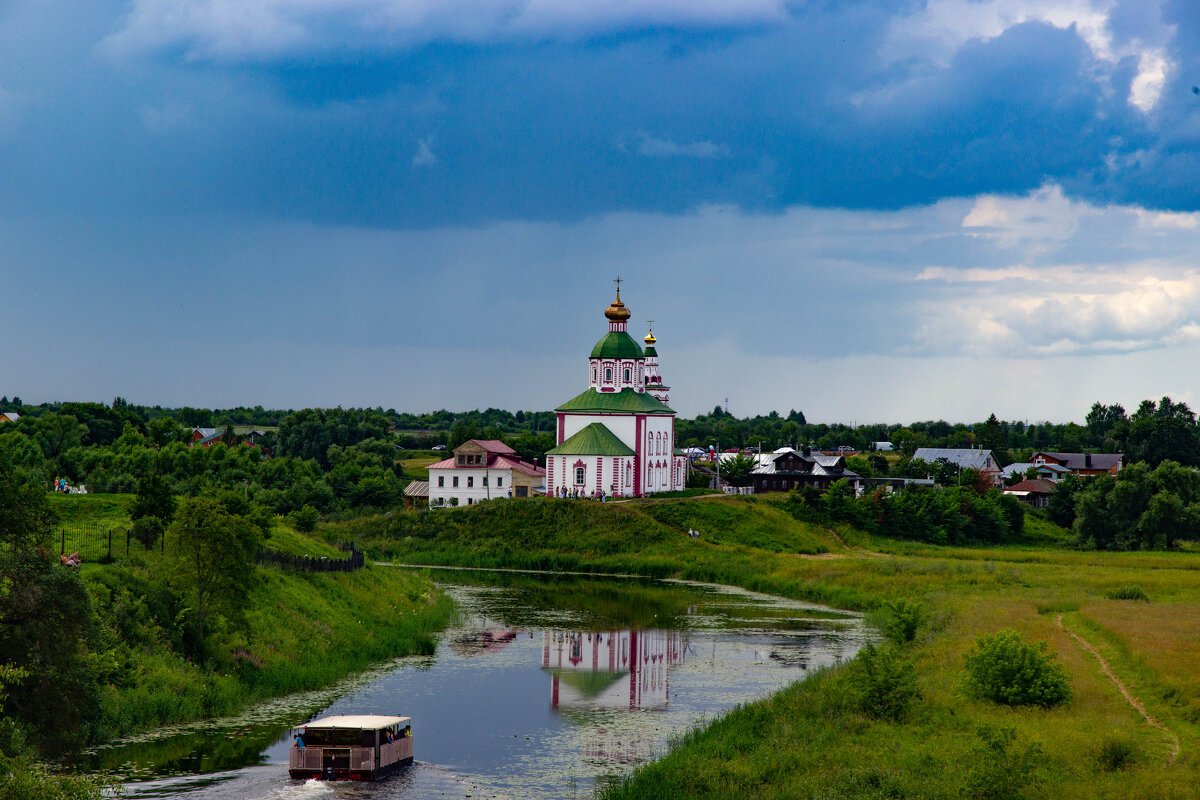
1081	464
1035	491
9	416
787	469
482	469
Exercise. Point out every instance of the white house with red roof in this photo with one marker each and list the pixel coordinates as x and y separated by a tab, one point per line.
482	469
617	438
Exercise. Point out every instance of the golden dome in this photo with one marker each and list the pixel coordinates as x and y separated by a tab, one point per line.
617	312
650	340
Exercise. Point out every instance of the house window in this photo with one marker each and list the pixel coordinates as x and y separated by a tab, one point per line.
455	481
485	480
470	481
441	481
579	476
608	374
522	491
499	481
462	460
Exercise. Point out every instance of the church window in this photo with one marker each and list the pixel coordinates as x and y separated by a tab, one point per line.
608	374
627	375
593	373
441	481
579	476
470	481
455	481
628	473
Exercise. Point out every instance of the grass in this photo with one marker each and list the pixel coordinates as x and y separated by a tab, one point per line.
417	467
809	741
302	631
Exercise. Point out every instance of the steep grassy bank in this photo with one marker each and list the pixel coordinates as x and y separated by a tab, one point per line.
811	741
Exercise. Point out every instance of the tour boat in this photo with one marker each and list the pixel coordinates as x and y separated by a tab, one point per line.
351	748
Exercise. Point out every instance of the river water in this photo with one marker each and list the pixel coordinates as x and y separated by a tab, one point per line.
543	686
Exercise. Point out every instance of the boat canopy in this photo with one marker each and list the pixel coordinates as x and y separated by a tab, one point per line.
359	722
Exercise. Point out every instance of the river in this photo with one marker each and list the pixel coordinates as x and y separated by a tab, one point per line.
543	686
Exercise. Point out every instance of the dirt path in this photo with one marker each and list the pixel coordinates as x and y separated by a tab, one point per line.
1137	705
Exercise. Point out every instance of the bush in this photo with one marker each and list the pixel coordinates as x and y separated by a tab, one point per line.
1116	754
886	683
1006	669
147	530
1128	593
998	771
304	519
900	620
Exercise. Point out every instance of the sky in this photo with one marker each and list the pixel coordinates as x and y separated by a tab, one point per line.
872	211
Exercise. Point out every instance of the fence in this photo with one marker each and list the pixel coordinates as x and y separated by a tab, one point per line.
97	543
295	563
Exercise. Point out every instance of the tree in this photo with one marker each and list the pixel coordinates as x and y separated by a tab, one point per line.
154	499
736	470
213	553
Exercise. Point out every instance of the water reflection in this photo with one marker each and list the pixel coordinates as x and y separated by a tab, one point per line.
543	687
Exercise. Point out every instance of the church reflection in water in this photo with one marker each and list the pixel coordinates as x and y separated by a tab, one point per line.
612	669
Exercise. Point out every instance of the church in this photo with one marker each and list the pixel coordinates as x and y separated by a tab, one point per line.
617	438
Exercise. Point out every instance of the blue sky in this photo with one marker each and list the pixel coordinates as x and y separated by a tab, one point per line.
871	211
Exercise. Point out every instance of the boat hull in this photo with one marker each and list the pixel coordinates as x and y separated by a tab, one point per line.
346	774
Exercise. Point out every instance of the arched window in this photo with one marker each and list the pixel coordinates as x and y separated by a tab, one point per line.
629	473
579	476
608	375
593	373
627	374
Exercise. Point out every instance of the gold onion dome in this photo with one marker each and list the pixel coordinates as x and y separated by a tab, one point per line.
650	340
617	312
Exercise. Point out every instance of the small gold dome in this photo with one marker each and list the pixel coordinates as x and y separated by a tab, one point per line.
617	312
650	340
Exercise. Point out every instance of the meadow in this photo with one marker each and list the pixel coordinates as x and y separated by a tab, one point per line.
811	740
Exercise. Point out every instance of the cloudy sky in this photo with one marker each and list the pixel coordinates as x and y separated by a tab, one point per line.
869	211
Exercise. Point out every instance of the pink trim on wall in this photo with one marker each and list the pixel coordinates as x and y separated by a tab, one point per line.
562	425
639	421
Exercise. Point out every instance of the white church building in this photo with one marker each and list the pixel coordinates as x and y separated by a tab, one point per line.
618	437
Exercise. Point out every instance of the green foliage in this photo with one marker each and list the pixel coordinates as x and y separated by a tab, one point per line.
147	530
23	779
900	619
1006	669
885	683
736	470
213	553
1001	771
1116	754
304	519
154	499
1128	593
1140	509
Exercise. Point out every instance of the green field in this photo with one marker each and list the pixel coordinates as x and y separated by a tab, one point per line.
810	741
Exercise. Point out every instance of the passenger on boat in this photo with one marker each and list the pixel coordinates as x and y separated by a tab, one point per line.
300	739
407	732
390	737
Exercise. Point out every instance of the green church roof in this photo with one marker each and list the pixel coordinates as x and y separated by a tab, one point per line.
626	401
593	440
616	344
650	351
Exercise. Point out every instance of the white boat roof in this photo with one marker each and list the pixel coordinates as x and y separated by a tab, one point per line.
364	722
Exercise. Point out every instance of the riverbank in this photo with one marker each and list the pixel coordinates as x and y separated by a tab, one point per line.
810	741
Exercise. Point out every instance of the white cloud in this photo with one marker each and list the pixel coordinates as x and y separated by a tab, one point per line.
239	29
1043	218
424	156
655	147
940	27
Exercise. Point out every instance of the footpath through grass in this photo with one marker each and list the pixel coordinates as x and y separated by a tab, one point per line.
809	741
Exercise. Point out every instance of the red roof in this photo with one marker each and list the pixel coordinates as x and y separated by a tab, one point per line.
494	446
1036	486
494	462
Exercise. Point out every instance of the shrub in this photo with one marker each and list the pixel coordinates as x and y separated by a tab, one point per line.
886	683
999	771
147	530
1116	754
901	619
304	519
1006	669
1128	593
